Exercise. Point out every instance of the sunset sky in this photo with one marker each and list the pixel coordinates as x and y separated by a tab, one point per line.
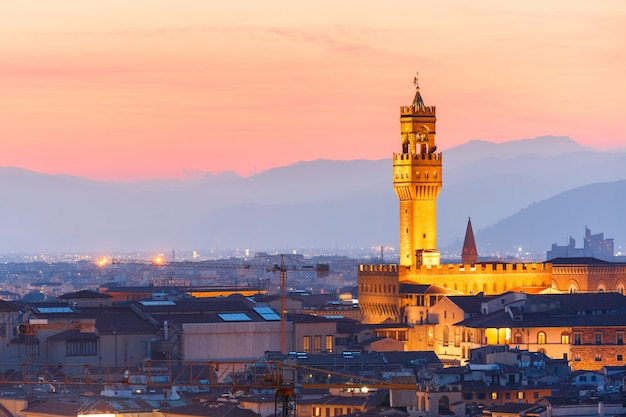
138	89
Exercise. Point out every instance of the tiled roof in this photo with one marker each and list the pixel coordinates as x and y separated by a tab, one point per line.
579	261
7	306
337	400
468	303
83	294
54	407
516	408
209	408
307	318
406	288
74	335
120	320
572	310
233	303
356	327
378	412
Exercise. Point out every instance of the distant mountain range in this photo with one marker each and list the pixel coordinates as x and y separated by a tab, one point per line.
526	193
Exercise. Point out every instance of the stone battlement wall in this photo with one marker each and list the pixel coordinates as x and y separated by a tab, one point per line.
454	269
417	111
407	158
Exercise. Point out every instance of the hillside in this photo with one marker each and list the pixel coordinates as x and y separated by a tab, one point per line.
516	194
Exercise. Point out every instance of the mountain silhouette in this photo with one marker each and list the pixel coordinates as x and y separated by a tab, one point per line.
510	190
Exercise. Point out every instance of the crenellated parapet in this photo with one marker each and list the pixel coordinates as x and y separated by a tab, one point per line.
416	111
421	158
382	269
486	268
488	278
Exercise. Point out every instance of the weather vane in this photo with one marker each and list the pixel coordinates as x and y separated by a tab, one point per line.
415	81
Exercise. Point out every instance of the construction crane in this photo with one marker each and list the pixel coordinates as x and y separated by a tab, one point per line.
320	269
34	325
30	329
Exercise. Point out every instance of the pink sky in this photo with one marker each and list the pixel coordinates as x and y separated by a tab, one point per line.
137	89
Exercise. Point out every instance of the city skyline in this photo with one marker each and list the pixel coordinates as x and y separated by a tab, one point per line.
138	90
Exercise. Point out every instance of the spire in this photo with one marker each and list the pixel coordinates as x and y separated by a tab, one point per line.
417	100
469	255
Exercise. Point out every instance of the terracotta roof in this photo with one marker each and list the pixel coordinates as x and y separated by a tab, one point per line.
54	407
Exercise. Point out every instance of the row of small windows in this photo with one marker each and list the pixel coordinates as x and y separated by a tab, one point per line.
336	411
406	175
81	348
507	395
597	358
577	338
317	344
573	288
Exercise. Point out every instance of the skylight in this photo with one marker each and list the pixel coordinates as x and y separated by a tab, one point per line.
48	310
151	303
234	317
267	313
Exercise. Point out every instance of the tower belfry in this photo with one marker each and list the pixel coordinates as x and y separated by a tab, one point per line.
417	182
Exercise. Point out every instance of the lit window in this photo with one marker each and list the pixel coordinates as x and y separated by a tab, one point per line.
541	338
565	338
329	344
306	343
318	344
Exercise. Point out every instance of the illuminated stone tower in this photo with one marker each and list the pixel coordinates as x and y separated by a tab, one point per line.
417	182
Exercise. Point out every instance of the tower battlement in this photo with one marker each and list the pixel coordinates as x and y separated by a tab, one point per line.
485	268
413	111
382	269
421	157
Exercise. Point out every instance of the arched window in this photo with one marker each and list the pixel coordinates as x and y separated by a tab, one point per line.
444	404
517	338
446	335
565	338
541	338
